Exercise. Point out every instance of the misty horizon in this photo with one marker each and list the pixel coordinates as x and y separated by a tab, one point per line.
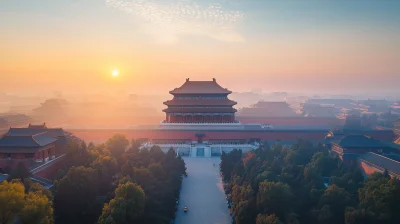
310	47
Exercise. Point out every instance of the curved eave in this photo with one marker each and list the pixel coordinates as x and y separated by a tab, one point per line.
200	110
208	103
177	92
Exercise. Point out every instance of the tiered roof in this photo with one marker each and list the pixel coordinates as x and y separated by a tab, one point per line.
204	97
200	102
200	110
54	132
27	141
200	87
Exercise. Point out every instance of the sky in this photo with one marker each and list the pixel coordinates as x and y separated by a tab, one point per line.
72	46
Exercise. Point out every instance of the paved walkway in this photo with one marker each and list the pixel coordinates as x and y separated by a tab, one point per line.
203	194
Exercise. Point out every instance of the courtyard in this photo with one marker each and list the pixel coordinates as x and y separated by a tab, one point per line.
203	194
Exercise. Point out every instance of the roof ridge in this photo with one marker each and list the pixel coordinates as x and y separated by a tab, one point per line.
385	157
40	133
34	140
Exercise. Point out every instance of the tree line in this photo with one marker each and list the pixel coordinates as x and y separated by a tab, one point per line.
304	183
109	183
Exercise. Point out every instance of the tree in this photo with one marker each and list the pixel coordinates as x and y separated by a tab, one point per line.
268	219
380	195
127	206
11	200
31	208
75	198
274	197
38	188
77	154
359	216
117	145
333	203
38	209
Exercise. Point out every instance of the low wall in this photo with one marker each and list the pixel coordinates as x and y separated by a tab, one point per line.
49	170
98	136
369	168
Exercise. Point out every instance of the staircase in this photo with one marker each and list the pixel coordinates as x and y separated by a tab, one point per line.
207	152
193	152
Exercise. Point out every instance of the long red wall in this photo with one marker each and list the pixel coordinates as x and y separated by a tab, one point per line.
290	120
103	135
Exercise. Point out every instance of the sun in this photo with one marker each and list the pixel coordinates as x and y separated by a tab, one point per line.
115	73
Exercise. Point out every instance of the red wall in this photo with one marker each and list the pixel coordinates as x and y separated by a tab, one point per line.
290	120
50	171
368	170
103	135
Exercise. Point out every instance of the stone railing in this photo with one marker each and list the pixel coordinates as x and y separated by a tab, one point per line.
46	165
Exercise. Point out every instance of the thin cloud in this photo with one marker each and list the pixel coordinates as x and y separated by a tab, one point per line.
168	20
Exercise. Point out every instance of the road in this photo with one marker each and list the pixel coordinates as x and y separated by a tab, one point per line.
203	194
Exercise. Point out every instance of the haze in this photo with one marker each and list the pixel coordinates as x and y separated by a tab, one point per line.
302	46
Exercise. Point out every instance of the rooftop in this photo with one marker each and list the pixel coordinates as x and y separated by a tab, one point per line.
378	134
200	87
28	141
267	104
200	102
54	132
200	110
359	141
38	126
382	161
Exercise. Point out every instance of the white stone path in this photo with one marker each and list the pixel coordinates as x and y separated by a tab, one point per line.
203	194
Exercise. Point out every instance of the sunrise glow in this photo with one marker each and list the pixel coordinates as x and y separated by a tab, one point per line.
115	73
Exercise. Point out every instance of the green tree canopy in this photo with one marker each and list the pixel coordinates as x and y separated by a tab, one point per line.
117	145
127	206
268	219
75	196
31	208
38	209
11	200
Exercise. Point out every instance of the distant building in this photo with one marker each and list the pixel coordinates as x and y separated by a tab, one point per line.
319	110
353	122
396	126
337	103
51	109
13	119
3	123
350	147
200	102
377	106
268	109
388	119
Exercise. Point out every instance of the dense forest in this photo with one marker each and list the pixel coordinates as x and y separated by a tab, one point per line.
110	183
303	183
